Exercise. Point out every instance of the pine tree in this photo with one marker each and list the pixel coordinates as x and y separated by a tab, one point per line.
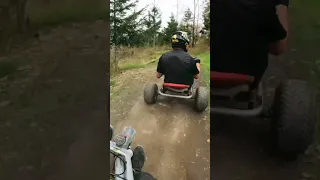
133	29
122	21
171	28
124	25
206	16
153	24
186	24
194	24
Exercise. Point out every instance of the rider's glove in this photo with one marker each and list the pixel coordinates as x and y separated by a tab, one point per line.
197	60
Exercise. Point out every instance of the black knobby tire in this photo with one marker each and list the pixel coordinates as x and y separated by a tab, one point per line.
201	99
150	93
293	119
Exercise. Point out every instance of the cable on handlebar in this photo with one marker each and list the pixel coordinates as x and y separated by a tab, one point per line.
124	163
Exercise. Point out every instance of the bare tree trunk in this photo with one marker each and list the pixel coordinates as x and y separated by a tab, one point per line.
154	26
194	23
115	61
177	10
22	18
198	5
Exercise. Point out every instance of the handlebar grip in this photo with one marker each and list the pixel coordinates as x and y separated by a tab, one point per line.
197	60
129	133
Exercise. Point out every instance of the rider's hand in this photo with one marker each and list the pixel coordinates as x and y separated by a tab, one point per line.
158	75
197	76
198	67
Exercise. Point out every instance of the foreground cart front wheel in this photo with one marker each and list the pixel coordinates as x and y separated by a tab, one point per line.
294	118
201	99
150	93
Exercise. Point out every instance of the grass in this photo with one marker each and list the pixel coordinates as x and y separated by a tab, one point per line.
305	40
202	52
136	66
112	82
131	66
205	66
305	34
133	58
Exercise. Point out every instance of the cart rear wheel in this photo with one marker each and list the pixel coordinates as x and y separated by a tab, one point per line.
294	118
201	99
150	93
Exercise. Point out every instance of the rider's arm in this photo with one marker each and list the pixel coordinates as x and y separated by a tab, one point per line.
159	69
196	70
197	76
279	29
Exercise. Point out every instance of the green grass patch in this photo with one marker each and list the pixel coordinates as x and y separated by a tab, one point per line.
151	62
131	66
112	82
305	33
7	68
205	66
136	66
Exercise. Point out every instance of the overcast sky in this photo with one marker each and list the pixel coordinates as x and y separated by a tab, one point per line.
170	6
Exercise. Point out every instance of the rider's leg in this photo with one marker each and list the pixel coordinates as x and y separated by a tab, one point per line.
143	176
146	176
138	158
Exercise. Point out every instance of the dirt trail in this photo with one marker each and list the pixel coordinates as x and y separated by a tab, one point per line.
240	147
173	134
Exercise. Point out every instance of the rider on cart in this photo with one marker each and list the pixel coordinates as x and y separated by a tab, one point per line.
178	66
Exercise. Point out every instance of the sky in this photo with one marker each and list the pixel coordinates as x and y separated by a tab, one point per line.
170	6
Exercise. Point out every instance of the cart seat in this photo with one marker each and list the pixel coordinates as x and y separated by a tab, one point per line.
225	80
175	86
